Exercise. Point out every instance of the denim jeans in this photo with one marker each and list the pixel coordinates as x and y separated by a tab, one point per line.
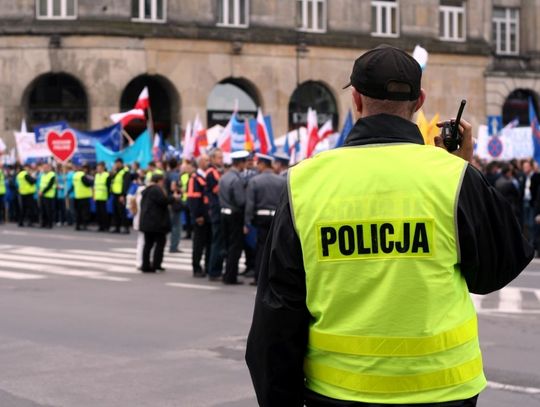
176	229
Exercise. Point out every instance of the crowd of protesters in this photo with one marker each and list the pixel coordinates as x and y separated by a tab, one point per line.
187	197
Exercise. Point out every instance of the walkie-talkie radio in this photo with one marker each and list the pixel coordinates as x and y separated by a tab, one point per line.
450	130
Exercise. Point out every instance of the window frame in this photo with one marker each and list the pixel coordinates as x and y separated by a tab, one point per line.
447	10
63	10
507	21
390	6
223	20
314	16
153	12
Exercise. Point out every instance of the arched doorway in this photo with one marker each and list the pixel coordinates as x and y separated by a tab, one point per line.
317	96
164	104
56	97
229	94
516	105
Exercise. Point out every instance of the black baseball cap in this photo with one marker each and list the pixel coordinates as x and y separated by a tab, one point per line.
387	72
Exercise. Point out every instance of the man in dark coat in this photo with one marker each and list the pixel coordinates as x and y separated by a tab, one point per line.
155	222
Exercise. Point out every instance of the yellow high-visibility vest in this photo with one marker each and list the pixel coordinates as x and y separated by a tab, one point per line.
149	174
101	193
45	178
80	190
392	319
118	181
25	188
2	182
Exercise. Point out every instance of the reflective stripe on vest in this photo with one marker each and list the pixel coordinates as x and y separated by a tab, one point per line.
25	188
392	320
101	193
2	182
81	191
45	178
118	182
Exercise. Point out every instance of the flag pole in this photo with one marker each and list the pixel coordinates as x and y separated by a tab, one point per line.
150	123
127	136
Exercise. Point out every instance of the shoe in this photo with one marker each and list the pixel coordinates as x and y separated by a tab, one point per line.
160	269
199	274
175	251
248	273
215	278
147	270
115	231
233	282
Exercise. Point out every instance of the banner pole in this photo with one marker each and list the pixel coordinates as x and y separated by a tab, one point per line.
126	135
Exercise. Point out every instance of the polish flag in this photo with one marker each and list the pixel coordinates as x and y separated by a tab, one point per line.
326	130
265	144
224	141
199	137
248	145
187	154
143	102
312	132
126	117
156	148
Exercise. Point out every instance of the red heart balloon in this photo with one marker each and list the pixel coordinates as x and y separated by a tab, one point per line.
62	146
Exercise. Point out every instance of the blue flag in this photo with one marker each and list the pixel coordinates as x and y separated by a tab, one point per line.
41	131
110	137
347	127
140	151
535	130
238	134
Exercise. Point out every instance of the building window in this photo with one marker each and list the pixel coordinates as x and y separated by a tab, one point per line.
505	30
452	22
385	18
154	11
233	13
311	15
56	9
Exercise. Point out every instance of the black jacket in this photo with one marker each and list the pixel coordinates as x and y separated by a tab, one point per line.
155	216
493	253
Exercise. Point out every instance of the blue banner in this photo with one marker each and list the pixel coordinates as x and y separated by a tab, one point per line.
535	130
238	134
41	131
110	137
140	151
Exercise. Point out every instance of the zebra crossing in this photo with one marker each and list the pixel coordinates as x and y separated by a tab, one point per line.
117	265
26	263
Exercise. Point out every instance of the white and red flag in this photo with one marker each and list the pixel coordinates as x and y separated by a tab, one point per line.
143	102
187	153
312	132
263	135
126	117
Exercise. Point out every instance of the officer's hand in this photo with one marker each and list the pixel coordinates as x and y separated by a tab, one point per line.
246	230
466	149
200	221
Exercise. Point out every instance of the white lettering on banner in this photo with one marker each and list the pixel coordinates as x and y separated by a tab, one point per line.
516	143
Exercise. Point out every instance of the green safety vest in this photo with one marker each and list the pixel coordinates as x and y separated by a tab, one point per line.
118	181
80	190
45	178
392	320
184	179
149	174
2	183
101	193
25	188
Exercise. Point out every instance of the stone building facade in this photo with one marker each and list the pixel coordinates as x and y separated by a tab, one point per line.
85	59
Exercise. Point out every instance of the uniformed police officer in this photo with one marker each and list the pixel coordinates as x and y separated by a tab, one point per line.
47	195
102	184
82	188
232	198
120	180
281	164
363	295
262	198
26	185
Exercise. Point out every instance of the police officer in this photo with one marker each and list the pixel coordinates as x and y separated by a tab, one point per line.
82	189
47	195
232	198
281	164
152	169
120	181
198	208
262	198
365	300
102	184
26	185
213	175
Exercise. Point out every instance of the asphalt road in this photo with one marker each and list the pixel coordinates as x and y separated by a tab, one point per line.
80	327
